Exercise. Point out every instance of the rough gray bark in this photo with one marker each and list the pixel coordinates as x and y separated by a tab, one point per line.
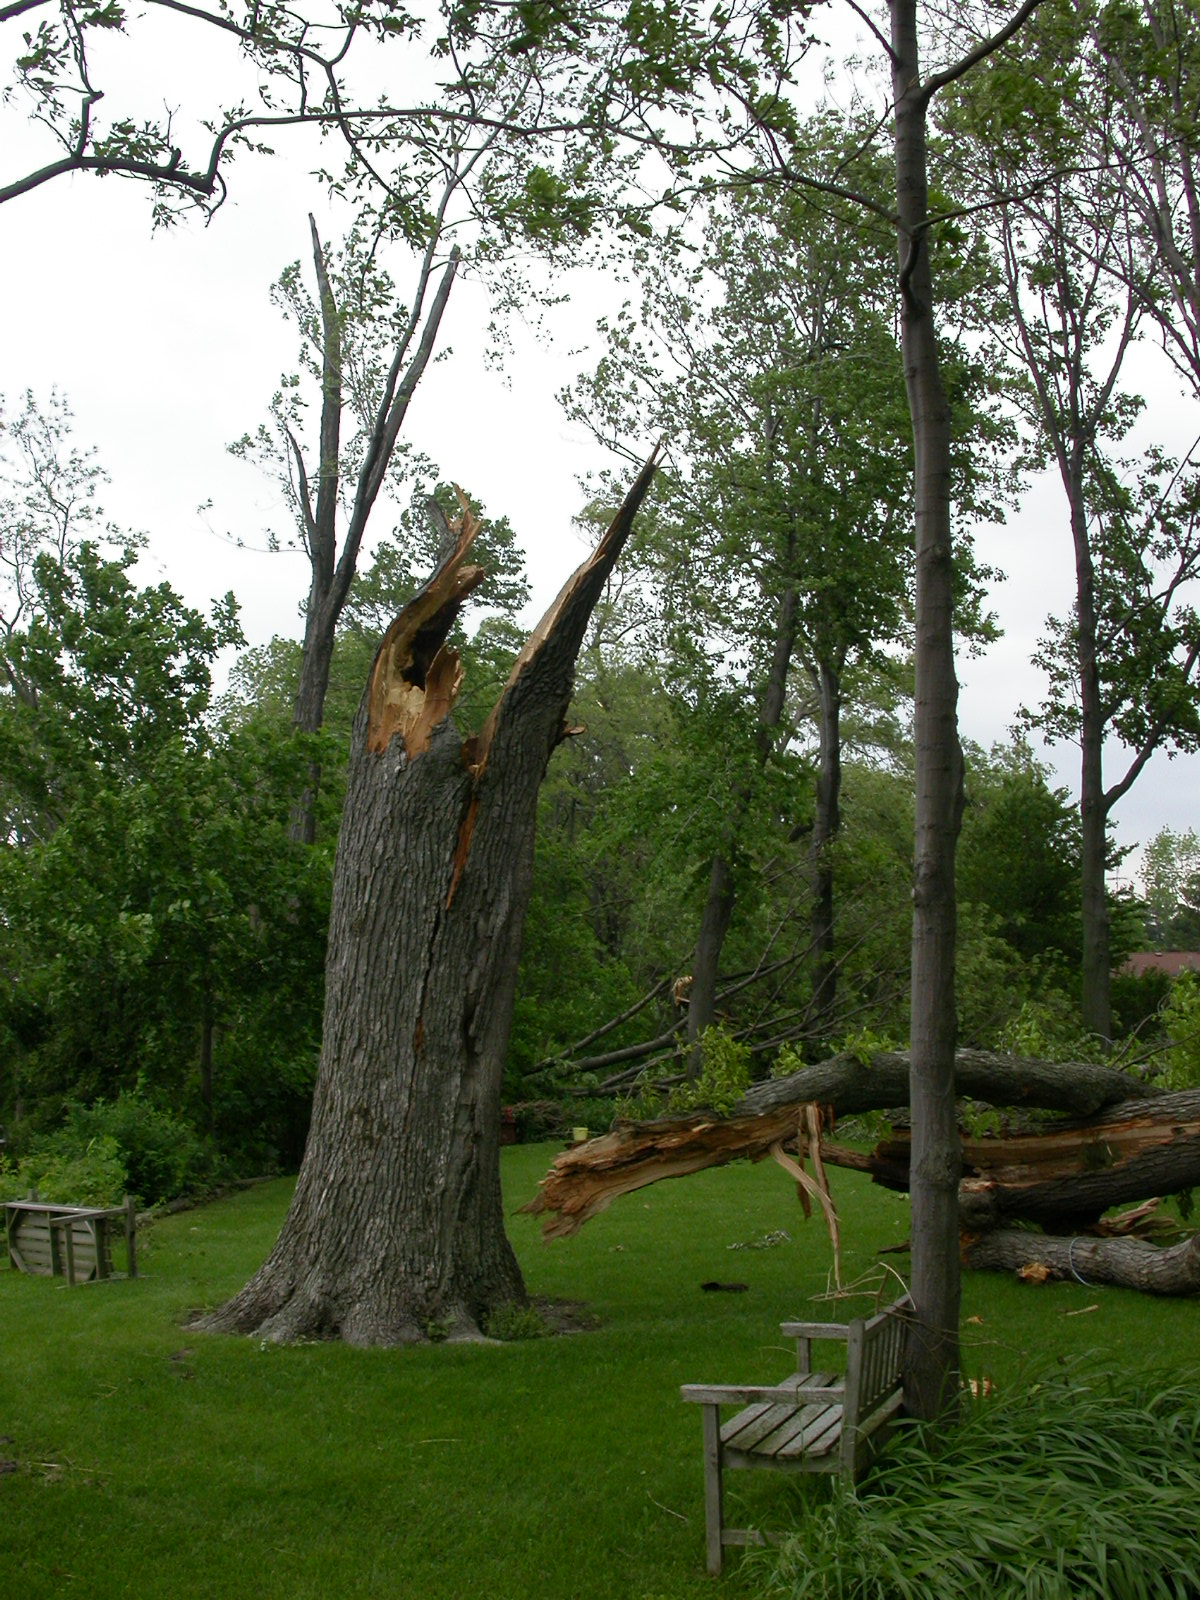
395	1231
1127	1263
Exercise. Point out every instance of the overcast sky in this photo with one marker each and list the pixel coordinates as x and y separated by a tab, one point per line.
168	348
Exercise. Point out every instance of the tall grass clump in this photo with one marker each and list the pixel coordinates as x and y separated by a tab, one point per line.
1080	1483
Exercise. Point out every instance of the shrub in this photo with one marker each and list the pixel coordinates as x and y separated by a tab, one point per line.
1080	1483
162	1155
65	1174
1048	1030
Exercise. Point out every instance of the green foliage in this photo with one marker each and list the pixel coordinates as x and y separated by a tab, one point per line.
1048	1029
160	1152
1040	1492
1171	889
154	914
66	1172
1019	853
861	1043
1181	1025
724	1075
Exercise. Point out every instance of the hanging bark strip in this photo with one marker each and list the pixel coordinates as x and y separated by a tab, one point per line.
584	1181
808	1141
396	1229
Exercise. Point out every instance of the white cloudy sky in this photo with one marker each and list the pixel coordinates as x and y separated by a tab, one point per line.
167	347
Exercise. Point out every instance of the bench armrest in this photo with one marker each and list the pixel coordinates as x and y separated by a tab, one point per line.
780	1394
814	1330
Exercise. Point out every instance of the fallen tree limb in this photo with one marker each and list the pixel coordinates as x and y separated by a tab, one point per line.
1066	1176
587	1179
1128	1263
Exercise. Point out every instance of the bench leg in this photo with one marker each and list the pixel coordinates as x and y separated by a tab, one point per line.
713	1506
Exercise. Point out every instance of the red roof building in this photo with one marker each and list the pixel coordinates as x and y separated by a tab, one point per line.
1172	962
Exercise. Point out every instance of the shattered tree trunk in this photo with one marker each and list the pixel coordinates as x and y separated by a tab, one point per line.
396	1225
585	1181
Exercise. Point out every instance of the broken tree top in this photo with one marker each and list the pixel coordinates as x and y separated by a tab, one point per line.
585	1180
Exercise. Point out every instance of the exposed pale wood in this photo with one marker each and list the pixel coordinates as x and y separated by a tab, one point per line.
810	1421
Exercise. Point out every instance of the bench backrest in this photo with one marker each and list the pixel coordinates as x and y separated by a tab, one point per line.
874	1358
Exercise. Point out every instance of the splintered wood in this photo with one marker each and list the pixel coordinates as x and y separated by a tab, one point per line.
586	1180
416	679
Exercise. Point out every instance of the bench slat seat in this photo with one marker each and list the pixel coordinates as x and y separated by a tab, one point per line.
809	1421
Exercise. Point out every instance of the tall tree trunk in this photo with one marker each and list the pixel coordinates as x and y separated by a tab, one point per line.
931	1363
719	900
396	1231
706	958
1097	1003
826	822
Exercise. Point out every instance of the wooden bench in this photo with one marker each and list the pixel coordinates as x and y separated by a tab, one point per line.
808	1422
72	1242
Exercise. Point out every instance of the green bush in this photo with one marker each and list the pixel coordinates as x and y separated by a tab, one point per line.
1079	1483
162	1154
65	1174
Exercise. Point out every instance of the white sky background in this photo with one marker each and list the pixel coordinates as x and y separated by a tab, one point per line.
168	348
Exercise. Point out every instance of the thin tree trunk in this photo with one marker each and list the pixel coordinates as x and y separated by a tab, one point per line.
826	822
931	1362
719	900
1096	985
706	958
396	1231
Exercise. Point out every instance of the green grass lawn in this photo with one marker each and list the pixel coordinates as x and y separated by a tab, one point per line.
145	1461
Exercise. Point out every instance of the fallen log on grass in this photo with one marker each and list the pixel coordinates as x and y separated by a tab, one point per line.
1127	1263
585	1180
